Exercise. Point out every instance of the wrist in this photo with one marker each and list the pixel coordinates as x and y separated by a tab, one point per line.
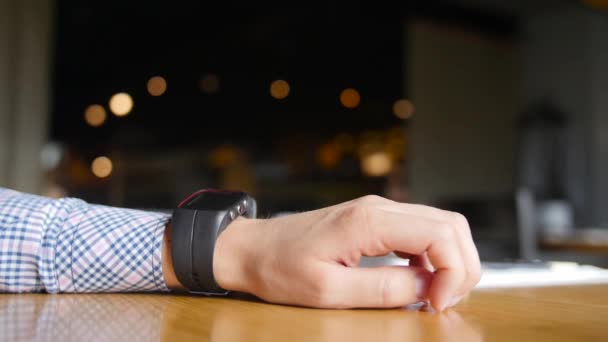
233	255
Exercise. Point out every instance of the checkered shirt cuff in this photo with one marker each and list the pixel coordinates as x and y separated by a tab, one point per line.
68	245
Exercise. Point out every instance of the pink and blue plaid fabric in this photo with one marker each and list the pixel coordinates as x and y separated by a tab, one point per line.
68	245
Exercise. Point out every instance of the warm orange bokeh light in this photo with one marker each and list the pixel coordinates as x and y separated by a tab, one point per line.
403	109
329	156
157	86
210	84
121	104
350	98
224	156
102	167
279	89
376	164
95	115
601	4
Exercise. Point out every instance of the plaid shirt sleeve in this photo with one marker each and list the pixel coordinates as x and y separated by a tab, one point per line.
68	245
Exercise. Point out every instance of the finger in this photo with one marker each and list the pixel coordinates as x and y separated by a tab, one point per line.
472	264
419	235
467	245
470	255
379	287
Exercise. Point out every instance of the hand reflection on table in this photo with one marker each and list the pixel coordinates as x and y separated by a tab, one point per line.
127	317
281	323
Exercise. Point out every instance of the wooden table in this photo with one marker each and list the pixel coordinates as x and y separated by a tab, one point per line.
542	314
581	240
575	245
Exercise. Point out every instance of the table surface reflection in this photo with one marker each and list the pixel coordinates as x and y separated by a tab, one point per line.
578	313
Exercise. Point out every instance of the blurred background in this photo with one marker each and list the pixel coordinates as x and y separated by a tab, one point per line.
497	109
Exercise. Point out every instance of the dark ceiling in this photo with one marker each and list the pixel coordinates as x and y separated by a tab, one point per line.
111	46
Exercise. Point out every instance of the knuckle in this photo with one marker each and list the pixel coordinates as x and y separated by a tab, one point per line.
445	232
370	199
461	276
460	220
356	213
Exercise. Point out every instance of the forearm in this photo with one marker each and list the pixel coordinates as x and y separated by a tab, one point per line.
68	245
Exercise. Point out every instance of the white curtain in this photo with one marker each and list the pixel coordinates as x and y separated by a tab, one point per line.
25	62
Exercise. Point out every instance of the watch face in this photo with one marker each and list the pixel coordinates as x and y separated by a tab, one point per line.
212	200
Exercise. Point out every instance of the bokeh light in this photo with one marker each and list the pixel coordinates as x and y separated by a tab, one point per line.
395	143
210	84
403	109
279	89
376	164
102	167
350	98
157	86
223	156
599	4
51	155
121	104
95	115
329	156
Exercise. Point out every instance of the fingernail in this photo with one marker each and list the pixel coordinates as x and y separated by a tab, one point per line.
455	300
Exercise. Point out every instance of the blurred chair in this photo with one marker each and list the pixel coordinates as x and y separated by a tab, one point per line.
546	232
526	222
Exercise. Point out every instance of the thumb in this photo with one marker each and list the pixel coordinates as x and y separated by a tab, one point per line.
381	287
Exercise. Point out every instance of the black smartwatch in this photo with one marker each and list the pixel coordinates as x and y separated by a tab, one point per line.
196	224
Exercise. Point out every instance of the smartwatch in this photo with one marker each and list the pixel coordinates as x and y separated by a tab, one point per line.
196	224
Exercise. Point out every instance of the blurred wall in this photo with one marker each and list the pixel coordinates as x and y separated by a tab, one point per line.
465	87
566	62
25	43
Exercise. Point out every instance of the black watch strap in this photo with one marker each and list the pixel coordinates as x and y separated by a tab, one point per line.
196	224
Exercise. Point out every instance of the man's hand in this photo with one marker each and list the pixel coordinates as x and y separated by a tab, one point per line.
310	259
